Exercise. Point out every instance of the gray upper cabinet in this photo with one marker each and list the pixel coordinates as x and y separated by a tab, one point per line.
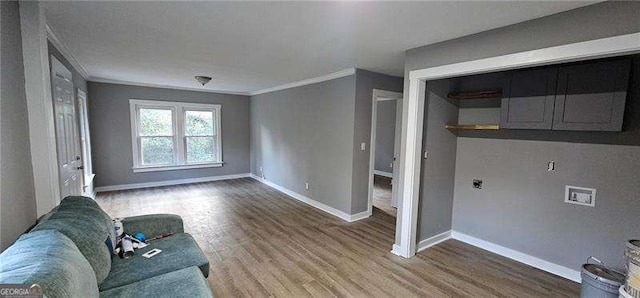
591	96
528	99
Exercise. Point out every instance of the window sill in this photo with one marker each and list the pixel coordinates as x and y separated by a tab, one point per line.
180	167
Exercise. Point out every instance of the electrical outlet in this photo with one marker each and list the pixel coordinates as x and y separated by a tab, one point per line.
551	166
306	185
477	183
391	165
363	146
260	169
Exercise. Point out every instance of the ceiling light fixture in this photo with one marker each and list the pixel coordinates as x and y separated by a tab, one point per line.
203	80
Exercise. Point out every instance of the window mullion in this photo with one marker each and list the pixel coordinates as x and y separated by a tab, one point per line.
138	138
179	135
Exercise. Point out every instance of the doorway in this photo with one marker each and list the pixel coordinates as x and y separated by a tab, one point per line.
386	120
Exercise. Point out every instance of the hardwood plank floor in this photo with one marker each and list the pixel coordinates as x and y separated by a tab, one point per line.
262	243
382	195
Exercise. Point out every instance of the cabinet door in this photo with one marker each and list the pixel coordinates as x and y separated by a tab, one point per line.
592	96
528	99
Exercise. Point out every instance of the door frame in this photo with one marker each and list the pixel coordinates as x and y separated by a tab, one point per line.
44	160
413	112
85	145
380	95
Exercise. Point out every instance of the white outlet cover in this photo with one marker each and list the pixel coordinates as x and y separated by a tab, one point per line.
580	195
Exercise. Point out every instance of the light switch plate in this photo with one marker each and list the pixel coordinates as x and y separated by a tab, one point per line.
580	195
363	146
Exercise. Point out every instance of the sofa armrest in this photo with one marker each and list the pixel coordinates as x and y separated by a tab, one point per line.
153	224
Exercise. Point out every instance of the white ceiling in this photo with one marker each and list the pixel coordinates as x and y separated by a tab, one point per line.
249	46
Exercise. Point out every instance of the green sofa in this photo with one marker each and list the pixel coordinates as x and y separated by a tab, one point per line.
68	255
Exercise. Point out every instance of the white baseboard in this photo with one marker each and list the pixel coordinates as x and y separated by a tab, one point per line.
314	203
382	173
541	264
359	216
169	182
395	249
431	241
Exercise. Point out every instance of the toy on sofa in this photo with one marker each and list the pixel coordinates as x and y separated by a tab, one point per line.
127	247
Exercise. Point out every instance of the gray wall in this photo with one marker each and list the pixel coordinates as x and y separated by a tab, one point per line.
385	135
17	197
521	204
438	170
305	134
111	132
366	81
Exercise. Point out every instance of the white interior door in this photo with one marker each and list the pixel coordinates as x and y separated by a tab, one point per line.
67	140
396	151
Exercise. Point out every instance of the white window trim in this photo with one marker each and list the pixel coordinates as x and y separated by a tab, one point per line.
179	142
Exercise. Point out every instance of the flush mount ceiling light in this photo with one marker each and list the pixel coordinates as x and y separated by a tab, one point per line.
203	80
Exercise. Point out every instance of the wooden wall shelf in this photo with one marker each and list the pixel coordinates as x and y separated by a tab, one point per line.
476	95
473	126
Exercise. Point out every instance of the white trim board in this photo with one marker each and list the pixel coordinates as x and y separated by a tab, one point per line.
37	82
66	52
395	249
413	110
383	173
328	209
130	83
331	76
515	255
433	240
169	182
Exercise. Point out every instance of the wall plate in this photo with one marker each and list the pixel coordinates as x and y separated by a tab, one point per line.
580	195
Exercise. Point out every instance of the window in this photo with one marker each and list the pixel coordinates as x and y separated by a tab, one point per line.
174	135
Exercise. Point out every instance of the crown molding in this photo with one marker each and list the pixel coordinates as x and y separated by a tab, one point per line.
119	82
66	53
331	76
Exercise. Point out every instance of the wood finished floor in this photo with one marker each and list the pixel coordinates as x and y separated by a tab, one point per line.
382	195
262	243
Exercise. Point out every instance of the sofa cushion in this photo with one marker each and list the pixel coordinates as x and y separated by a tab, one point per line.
85	226
102	218
51	260
178	252
187	282
153	224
